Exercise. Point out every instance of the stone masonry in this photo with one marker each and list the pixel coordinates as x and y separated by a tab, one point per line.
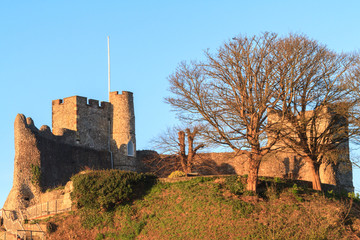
85	135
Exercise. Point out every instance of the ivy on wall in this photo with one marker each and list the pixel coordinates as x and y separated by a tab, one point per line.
36	174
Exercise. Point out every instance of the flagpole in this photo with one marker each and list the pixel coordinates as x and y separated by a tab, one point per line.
109	139
108	42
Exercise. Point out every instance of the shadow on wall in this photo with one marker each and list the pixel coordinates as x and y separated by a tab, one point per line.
207	166
292	167
163	165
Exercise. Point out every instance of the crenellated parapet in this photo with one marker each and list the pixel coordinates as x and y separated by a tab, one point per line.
86	117
81	101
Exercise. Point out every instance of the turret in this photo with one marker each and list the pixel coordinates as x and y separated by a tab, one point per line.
123	143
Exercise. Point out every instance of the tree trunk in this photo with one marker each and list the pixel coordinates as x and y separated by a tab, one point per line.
182	151
190	150
314	170
254	165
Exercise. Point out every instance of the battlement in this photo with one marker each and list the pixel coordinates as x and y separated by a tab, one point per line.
123	93
81	102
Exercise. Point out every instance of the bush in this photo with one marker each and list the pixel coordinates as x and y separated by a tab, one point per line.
107	188
51	227
177	174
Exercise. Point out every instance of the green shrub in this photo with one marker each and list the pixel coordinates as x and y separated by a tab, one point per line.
36	174
107	188
177	174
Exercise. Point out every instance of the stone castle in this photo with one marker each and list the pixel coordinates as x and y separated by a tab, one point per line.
84	134
88	135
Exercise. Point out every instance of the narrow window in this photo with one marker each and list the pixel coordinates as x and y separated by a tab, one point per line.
130	148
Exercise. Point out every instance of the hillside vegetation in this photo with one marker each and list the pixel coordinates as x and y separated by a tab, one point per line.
121	205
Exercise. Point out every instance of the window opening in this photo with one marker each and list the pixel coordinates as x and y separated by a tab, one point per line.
130	148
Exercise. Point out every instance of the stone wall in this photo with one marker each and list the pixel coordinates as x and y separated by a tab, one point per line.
90	121
54	156
52	202
282	165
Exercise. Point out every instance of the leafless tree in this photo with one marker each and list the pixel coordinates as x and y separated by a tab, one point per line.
319	101
182	141
231	92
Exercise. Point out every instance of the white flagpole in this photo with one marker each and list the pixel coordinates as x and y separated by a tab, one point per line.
109	140
108	41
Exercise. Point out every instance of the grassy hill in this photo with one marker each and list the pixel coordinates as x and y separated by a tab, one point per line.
203	208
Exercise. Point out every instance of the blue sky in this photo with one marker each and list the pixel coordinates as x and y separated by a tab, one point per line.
56	49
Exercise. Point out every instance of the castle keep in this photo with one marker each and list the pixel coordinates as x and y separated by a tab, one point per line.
85	134
108	127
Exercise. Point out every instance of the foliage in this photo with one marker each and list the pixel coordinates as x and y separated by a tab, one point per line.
177	174
355	196
107	188
36	174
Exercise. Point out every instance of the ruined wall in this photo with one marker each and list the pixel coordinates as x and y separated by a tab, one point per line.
23	192
283	165
55	157
123	130
83	134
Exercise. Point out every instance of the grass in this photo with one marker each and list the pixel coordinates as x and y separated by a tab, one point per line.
217	208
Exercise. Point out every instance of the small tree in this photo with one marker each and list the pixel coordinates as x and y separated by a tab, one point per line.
184	142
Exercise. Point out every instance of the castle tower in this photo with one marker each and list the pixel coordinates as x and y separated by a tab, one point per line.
108	127
123	141
87	121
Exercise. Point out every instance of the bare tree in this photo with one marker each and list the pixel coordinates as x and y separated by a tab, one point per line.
319	105
231	92
184	142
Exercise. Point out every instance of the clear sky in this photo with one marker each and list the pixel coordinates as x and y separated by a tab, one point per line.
57	49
